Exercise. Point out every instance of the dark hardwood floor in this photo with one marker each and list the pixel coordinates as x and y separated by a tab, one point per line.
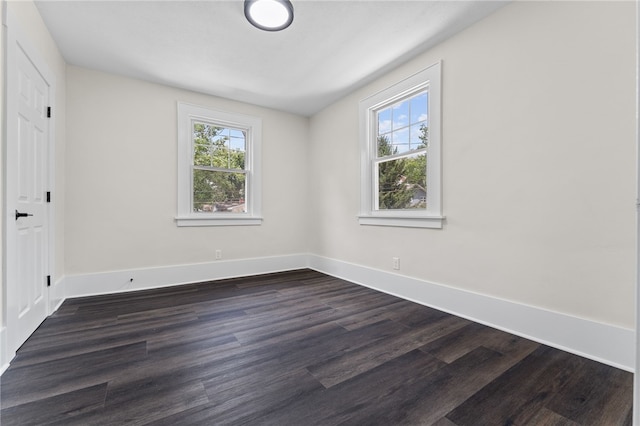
294	348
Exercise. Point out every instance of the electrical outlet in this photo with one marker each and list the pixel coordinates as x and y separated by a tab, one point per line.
396	263
218	254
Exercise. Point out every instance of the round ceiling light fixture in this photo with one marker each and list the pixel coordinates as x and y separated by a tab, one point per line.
269	15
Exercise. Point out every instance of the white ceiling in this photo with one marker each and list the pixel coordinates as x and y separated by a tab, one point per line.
332	47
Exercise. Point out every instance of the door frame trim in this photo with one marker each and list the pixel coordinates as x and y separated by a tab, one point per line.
15	35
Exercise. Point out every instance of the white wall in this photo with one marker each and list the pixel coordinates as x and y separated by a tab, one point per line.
121	179
538	164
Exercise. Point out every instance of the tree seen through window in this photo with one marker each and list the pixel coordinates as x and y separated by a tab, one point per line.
402	181
219	175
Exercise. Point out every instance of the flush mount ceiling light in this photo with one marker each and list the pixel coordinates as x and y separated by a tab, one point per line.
269	15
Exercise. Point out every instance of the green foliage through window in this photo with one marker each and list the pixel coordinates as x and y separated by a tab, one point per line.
402	180
401	164
219	175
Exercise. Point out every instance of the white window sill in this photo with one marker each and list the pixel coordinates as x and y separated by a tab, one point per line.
434	222
229	220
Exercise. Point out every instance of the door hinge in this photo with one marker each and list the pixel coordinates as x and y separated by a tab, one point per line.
48	112
48	280
48	196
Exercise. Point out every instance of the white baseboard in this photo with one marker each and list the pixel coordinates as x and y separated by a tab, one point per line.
147	278
5	358
604	343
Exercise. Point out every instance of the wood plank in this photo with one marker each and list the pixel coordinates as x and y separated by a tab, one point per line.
27	384
428	400
444	422
370	316
516	396
547	417
462	341
138	403
63	408
350	401
352	363
271	392
595	394
63	345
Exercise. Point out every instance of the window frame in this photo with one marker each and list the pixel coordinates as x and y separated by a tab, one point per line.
431	217
187	115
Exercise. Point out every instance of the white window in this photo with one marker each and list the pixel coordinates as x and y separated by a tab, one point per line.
400	150
218	167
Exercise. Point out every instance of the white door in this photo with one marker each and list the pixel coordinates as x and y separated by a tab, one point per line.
27	212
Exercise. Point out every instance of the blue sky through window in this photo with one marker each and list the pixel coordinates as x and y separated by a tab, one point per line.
401	122
234	139
384	121
419	108
400	115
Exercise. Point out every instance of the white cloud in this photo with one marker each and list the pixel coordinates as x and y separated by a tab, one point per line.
384	126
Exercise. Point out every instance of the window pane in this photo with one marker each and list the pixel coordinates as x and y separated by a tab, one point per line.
419	108
237	144
201	154
419	136
218	191
220	157
203	133
236	159
235	133
219	140
402	183
384	146
228	149
384	121
401	115
401	141
205	138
